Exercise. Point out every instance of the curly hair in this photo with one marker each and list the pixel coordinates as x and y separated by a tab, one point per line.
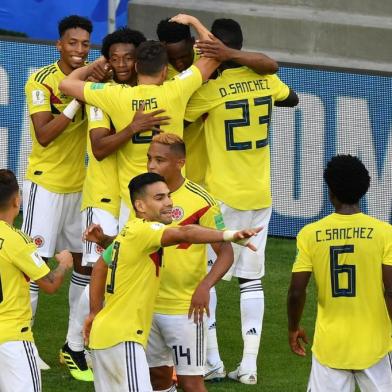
172	32
74	21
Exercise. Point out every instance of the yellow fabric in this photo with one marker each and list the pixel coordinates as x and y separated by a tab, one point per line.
101	188
353	330
19	262
120	102
185	265
60	166
239	105
128	310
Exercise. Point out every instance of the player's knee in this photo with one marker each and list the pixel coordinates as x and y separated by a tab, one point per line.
161	377
191	383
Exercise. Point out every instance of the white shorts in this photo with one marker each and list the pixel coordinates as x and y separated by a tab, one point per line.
109	224
377	378
247	264
52	220
121	368
124	215
175	340
19	371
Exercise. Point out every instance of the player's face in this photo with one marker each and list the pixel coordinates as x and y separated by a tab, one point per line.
157	203
122	61
74	46
180	54
161	160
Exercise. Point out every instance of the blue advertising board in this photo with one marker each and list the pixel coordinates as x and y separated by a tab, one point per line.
339	112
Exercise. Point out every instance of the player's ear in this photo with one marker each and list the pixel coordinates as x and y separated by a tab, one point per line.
164	72
16	200
140	206
180	163
59	45
136	67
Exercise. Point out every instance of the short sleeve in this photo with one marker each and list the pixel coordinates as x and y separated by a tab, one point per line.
150	235
107	254
387	256
188	82
198	104
29	261
102	95
303	260
213	218
282	90
97	118
37	97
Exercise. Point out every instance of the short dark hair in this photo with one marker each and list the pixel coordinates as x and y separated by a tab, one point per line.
347	178
229	32
151	57
74	21
138	184
8	187
123	35
172	32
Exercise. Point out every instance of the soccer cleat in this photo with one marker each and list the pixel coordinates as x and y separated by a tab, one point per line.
76	364
243	376
215	373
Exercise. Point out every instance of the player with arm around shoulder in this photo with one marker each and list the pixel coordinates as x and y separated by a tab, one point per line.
120	328
20	262
350	256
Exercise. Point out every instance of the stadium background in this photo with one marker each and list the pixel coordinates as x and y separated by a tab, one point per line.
340	111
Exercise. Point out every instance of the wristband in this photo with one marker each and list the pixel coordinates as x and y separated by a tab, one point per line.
71	109
228	235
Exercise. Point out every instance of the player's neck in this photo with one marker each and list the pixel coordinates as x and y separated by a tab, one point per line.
7	216
65	68
146	79
175	183
347	209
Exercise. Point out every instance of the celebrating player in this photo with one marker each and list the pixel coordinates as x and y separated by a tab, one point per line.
120	328
350	256
20	262
56	169
239	106
174	338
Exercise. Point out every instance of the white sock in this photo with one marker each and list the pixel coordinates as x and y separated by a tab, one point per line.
252	312
213	356
34	290
75	331
76	289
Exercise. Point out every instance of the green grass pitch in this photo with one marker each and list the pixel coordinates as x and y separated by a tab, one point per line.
278	369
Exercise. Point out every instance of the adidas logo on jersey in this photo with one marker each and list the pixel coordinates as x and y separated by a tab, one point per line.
252	331
210	263
212	326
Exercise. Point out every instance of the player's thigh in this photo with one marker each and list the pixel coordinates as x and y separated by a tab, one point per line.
109	224
41	218
188	343
19	371
377	378
250	265
121	368
70	235
325	379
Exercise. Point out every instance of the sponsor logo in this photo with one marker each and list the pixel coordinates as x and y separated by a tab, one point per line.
97	86
185	74
252	331
219	223
96	114
177	213
38	241
37	259
38	97
156	226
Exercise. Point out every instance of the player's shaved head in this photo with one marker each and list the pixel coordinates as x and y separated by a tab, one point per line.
347	178
137	186
176	144
73	22
172	32
229	32
123	35
151	58
8	188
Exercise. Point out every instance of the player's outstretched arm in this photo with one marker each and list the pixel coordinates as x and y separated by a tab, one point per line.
51	282
387	280
73	84
94	233
201	296
295	305
103	143
215	49
97	293
196	234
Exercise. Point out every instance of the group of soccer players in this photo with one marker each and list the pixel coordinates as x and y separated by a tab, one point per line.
148	113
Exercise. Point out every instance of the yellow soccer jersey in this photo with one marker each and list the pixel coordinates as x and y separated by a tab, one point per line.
121	102
101	188
132	286
60	166
345	254
19	263
239	105
185	265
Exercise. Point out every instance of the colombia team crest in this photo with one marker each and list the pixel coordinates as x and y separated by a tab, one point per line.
38	241
177	213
